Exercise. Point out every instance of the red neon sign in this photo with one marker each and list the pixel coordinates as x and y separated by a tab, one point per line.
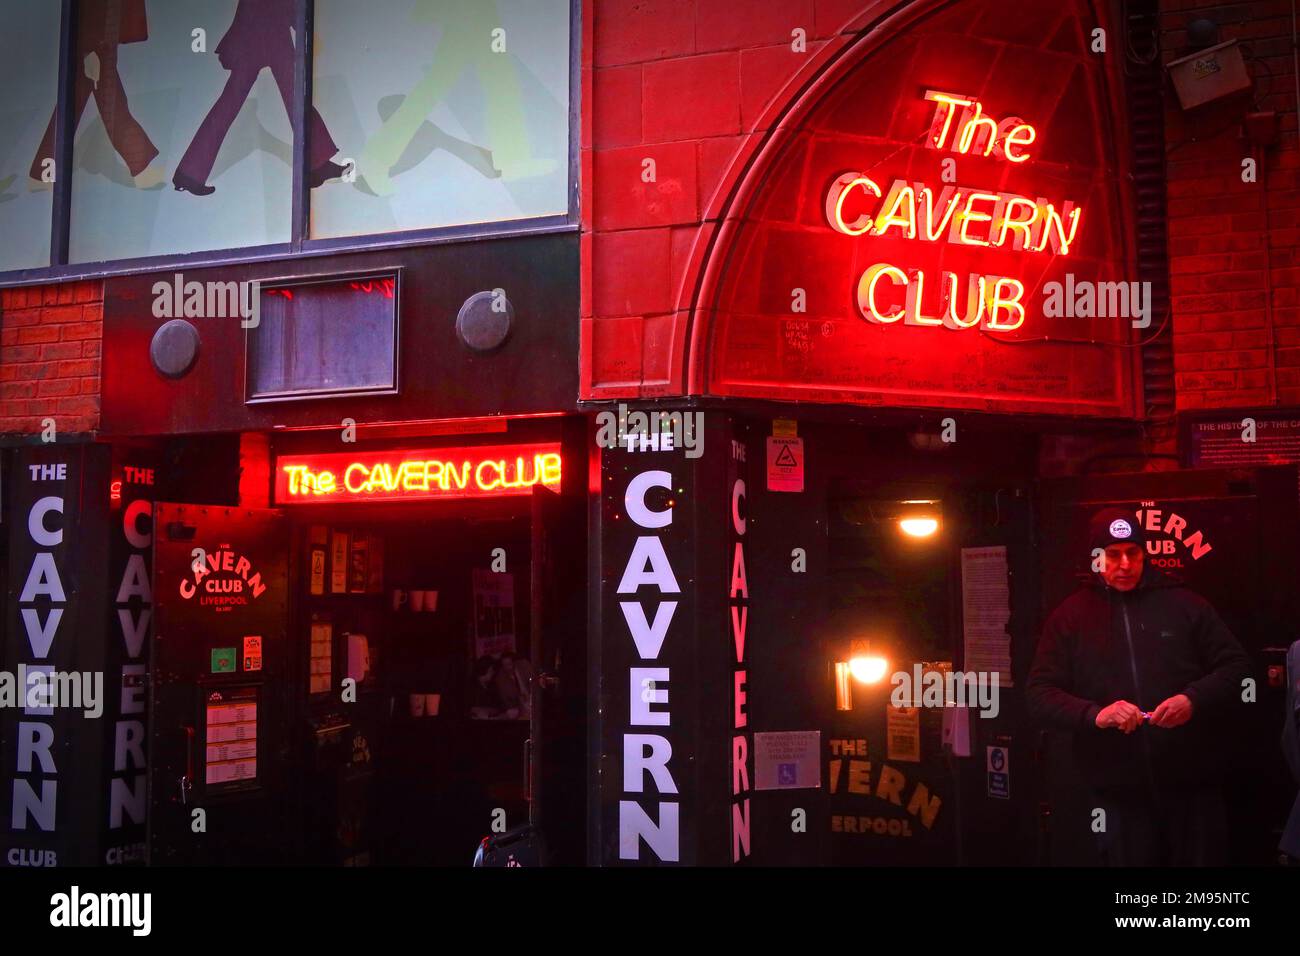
485	471
999	219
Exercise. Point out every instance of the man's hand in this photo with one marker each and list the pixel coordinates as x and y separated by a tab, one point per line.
92	68
1174	712
1121	715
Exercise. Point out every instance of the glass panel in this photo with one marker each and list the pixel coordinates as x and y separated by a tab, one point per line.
324	337
446	112
183	136
29	85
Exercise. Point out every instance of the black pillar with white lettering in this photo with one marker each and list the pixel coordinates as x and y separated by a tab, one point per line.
661	666
53	759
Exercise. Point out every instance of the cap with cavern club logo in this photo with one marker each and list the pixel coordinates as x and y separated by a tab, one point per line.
1114	526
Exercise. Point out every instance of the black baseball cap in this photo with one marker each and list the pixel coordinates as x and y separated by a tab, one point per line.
1114	526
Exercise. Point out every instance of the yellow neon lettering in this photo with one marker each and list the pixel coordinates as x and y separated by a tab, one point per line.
478	474
900	197
867	291
1007	221
347	478
998	301
973	122
1022	134
461	478
948	197
969	215
1053	231
975	293
915	290
550	464
839	191
946	108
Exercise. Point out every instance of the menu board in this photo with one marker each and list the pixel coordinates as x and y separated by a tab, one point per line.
231	739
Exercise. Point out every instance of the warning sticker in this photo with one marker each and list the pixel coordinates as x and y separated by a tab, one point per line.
784	464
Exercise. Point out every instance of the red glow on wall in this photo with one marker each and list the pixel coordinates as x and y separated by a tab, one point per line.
486	471
905	238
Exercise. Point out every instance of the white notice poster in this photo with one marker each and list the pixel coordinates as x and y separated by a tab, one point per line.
787	760
986	609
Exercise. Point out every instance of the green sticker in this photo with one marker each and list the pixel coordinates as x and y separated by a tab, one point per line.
223	660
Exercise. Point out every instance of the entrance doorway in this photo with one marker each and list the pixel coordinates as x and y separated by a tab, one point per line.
382	684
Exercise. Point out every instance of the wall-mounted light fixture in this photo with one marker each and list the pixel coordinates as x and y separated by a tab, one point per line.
919	517
843	686
865	665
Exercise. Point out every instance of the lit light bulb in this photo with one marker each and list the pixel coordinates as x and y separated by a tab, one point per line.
868	669
919	527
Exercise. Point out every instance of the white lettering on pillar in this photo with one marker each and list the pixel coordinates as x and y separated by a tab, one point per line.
656	826
634	825
647	753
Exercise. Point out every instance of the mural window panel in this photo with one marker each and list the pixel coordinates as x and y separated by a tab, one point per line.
29	86
183	139
443	112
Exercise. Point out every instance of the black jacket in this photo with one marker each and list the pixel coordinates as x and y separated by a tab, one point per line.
1142	646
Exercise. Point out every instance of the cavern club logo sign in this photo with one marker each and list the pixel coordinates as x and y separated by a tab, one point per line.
862	204
486	471
1173	540
221	579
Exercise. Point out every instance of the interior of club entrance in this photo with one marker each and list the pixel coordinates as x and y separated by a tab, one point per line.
416	679
432	753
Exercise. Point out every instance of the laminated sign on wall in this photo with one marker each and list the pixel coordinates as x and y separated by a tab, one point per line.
784	464
986	610
787	760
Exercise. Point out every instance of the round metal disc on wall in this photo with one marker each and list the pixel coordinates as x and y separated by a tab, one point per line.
175	348
484	321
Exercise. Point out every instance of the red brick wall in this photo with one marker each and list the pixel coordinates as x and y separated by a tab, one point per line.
1233	347
50	341
691	85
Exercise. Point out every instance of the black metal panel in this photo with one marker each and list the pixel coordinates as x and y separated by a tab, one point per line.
204	620
534	370
53	762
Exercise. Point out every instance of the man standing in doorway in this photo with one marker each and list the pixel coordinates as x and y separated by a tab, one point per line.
1145	676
